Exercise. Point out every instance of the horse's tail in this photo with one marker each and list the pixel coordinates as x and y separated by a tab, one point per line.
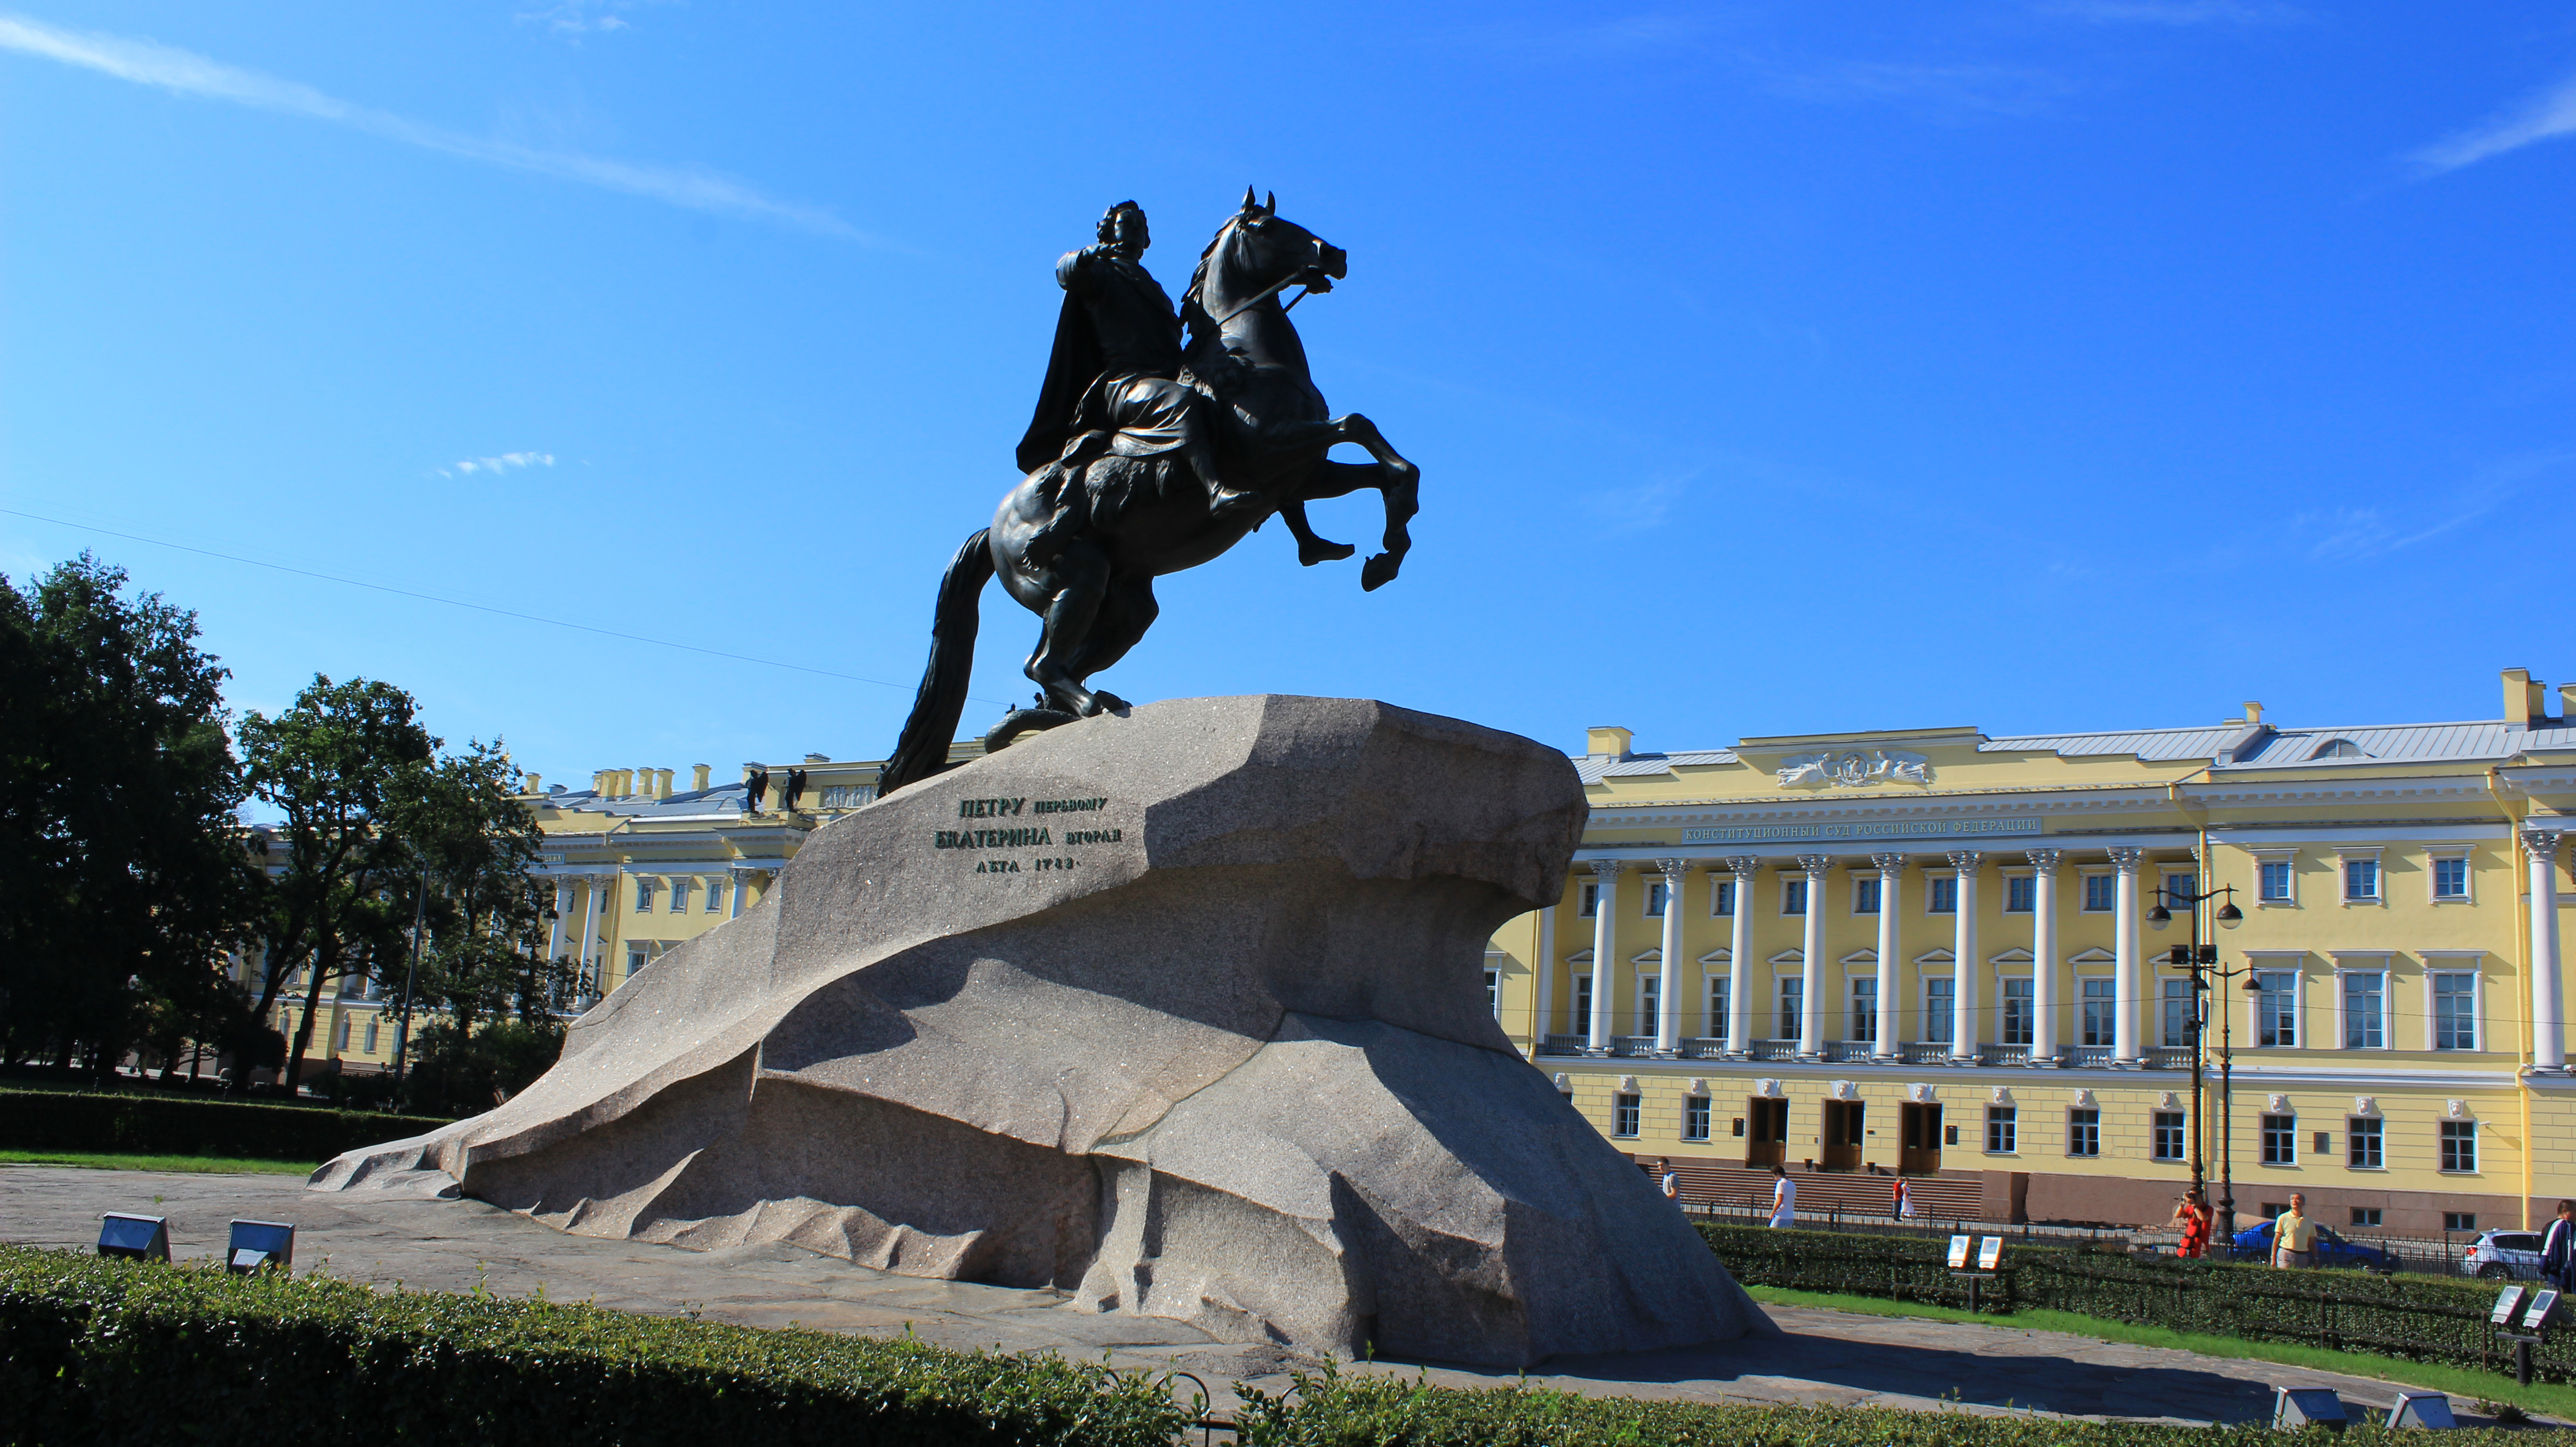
923	749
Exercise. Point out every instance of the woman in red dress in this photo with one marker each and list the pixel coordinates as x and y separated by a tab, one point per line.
2197	1219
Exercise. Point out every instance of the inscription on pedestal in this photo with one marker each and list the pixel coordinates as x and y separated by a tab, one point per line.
1025	836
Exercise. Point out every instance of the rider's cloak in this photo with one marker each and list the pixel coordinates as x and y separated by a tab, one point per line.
1075	362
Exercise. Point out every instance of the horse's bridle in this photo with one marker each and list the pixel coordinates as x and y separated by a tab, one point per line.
1295	278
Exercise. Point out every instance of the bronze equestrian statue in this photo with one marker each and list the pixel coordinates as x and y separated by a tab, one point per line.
1147	456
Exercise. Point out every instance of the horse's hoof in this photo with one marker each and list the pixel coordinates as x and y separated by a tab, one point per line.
1323	552
1379	571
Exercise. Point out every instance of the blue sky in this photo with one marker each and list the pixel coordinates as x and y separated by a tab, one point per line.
1773	368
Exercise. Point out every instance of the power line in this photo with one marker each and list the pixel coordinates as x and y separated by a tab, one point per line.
457	602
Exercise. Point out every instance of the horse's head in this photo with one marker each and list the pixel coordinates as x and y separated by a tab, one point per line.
1257	254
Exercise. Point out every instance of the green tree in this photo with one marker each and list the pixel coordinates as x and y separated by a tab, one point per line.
121	855
347	765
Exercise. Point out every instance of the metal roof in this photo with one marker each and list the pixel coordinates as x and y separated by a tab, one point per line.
2153	744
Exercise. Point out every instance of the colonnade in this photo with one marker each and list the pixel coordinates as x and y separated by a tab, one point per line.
1817	980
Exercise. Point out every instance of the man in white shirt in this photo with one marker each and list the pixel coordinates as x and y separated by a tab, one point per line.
1784	1198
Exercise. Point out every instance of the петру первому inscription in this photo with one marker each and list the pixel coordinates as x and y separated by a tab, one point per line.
1023	836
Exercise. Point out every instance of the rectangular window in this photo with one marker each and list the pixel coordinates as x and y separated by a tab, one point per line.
2276	1008
635	962
2459	1220
2363	1143
345	1023
2084	1132
1623	1116
1695	1118
372	1023
2280	1140
2101	894
2455	1012
1494	993
2361	880
2365	998
1650	1005
1941	894
644	896
1721	897
2450	879
1864	1011
2179	889
1717	1008
2459	1145
2178	1012
1793	896
1582	1023
2168	1135
2101	1010
2000	1129
2272	881
680	895
2020	1014
2021	893
715	896
1940	1010
1793	1001
2365	1215
1655	893
1865	896
1588	899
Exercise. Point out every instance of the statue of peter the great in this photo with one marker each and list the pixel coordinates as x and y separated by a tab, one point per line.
1113	389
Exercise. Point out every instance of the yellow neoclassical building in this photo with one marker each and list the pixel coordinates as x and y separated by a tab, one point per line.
1988	964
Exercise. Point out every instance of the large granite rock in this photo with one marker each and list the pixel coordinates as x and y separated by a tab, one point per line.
1181	1013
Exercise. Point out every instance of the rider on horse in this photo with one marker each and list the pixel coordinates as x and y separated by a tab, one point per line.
1113	389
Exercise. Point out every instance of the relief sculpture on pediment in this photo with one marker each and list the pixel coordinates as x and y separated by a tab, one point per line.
1853	769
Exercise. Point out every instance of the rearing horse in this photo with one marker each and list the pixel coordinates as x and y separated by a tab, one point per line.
1271	431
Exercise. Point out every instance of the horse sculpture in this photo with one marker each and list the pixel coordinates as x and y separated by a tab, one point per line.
1095	591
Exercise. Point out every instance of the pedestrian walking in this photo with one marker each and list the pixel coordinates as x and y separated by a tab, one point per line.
1784	1198
2558	1249
1896	1205
2197	1219
2294	1236
1672	1183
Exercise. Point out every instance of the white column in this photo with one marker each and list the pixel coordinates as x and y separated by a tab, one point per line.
2125	988
2043	953
1669	998
2548	1000
1739	948
590	982
1543	997
1891	885
1811	992
1605	950
1967	1030
554	927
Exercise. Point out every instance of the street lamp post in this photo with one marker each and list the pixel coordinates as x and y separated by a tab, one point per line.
2202	960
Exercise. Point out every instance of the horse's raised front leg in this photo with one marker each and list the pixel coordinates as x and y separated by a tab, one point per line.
1079	580
1310	548
1400	482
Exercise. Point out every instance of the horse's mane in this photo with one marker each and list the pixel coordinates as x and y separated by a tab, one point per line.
1194	300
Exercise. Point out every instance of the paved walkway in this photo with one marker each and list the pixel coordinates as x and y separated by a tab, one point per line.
1824	1356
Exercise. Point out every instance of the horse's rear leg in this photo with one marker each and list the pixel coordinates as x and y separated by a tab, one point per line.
1079	577
1125	614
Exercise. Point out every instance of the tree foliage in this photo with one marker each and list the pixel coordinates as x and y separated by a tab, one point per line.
119	853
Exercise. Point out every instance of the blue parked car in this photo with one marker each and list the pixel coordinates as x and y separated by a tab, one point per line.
2254	1243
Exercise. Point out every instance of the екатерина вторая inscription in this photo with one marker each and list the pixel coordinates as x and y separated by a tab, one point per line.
1024	836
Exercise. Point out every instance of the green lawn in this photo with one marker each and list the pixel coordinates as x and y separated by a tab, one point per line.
2460	1382
226	1165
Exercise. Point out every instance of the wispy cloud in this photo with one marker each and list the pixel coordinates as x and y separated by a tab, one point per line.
1968	87
2174	12
2551	113
577	18
145	62
1635	509
2359	534
502	463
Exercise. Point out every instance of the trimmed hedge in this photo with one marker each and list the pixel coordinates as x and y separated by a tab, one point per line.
150	1125
104	1351
1326	1410
2418	1318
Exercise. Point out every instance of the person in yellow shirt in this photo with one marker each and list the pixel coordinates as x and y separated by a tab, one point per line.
2294	1236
